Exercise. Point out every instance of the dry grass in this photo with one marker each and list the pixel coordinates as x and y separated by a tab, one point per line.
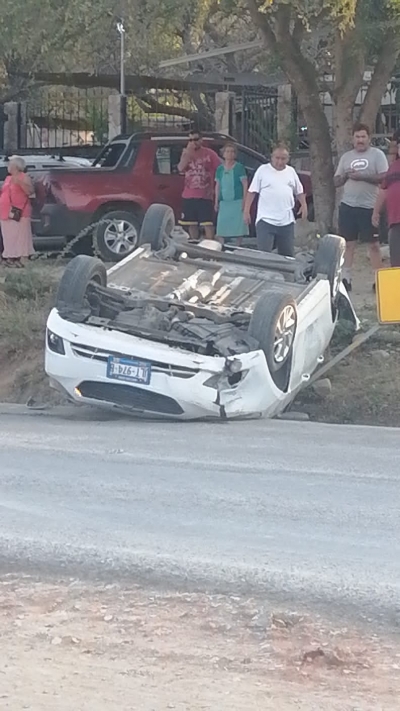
25	300
26	297
22	326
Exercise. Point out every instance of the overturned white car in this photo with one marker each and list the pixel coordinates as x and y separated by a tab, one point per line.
186	332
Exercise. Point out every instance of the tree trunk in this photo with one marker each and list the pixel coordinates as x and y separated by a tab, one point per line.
304	80
303	76
343	122
321	166
349	75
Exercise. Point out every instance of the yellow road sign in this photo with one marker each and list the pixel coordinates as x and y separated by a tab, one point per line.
388	295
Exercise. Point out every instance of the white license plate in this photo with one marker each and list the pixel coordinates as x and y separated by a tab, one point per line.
132	371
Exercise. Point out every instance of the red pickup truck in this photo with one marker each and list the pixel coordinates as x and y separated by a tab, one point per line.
130	174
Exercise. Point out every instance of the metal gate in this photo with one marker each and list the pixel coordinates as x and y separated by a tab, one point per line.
257	118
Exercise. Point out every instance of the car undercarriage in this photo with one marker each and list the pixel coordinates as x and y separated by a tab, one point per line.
207	310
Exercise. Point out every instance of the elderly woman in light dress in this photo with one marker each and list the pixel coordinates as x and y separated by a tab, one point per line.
15	214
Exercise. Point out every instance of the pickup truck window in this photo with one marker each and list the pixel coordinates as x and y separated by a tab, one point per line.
167	159
110	156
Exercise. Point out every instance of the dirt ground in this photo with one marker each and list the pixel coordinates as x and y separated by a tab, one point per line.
105	648
365	386
70	645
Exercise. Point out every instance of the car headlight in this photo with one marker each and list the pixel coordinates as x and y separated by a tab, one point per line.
55	343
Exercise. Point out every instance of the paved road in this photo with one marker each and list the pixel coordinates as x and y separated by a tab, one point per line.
308	512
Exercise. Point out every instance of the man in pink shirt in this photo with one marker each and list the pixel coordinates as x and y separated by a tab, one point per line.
199	165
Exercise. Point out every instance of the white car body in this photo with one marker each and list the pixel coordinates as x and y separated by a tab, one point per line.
178	378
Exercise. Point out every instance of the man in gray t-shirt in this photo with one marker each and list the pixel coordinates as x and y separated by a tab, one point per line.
359	172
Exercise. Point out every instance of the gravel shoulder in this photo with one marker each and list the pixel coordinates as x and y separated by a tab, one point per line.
67	646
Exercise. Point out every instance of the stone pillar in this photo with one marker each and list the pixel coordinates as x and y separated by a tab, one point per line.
114	116
285	113
15	126
225	112
23	125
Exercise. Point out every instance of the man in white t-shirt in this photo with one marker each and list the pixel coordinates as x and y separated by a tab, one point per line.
277	186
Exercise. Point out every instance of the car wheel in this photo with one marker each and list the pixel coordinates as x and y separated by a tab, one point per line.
157	225
329	261
273	324
117	235
78	275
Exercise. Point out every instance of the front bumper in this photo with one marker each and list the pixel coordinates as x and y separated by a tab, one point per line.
182	386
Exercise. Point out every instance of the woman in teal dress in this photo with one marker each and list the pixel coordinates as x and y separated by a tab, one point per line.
230	192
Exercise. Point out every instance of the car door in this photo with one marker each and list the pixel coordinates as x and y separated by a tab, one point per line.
167	181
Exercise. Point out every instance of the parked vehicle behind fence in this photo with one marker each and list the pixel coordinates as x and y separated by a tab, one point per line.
131	173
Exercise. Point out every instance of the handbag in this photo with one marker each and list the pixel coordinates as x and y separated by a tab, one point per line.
15	213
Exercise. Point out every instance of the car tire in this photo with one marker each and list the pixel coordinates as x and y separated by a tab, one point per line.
329	262
79	273
116	235
157	225
273	324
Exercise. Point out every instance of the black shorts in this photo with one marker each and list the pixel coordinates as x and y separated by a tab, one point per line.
355	223
197	211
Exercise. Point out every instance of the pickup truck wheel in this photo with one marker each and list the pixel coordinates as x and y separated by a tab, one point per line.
117	235
157	225
329	261
273	324
79	274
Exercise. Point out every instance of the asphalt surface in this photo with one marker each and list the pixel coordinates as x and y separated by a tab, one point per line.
307	513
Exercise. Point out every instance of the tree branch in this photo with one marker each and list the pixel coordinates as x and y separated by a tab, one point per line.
151	106
260	20
299	31
283	17
350	63
380	78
